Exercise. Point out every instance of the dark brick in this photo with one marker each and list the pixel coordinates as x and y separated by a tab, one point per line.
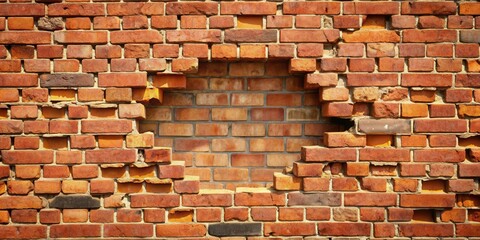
75	202
66	80
235	229
316	199
250	35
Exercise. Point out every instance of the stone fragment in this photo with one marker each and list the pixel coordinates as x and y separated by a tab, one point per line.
50	24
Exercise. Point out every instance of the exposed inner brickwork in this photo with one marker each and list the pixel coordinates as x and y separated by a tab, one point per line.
237	124
78	158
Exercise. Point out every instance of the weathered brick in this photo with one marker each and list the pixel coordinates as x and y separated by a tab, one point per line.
426	230
75	230
128	230
23	232
135	8
181	230
427	200
344	229
289	229
317	199
198	36
309	36
20	202
243	8
158	200
110	156
87	37
440	125
18	80
27	156
317	8
370	199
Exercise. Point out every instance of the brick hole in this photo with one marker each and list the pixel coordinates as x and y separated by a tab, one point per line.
424	215
434	186
235	124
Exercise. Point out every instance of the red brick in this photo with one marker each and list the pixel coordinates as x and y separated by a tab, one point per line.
128	230
198	36
111	126
289	229
192	8
181	230
153	215
469	8
78	23
49	51
371	8
101	216
47	187
438	8
427	200
23	232
19	187
443	140
370	199
27	156
135	22
240	214
260	199
440	125
426	230
98	186
5	143
263	214
56	172
126	9
403	21
66	9
22	52
344	229
468	50
346	22
312	36
221	22
467	230
85	171
108	51
430	22
63	126
87	37
110	156
22	9
157	200
106	23
49	216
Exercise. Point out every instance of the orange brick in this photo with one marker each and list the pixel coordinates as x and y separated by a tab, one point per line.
20	23
414	110
253	52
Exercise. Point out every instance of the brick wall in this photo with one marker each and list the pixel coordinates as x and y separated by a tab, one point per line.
107	113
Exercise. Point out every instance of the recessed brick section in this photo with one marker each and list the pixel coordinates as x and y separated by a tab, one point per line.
285	119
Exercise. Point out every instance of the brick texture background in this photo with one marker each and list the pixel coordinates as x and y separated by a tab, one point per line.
236	119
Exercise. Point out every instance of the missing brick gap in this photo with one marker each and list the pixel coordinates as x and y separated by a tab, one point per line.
374	22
